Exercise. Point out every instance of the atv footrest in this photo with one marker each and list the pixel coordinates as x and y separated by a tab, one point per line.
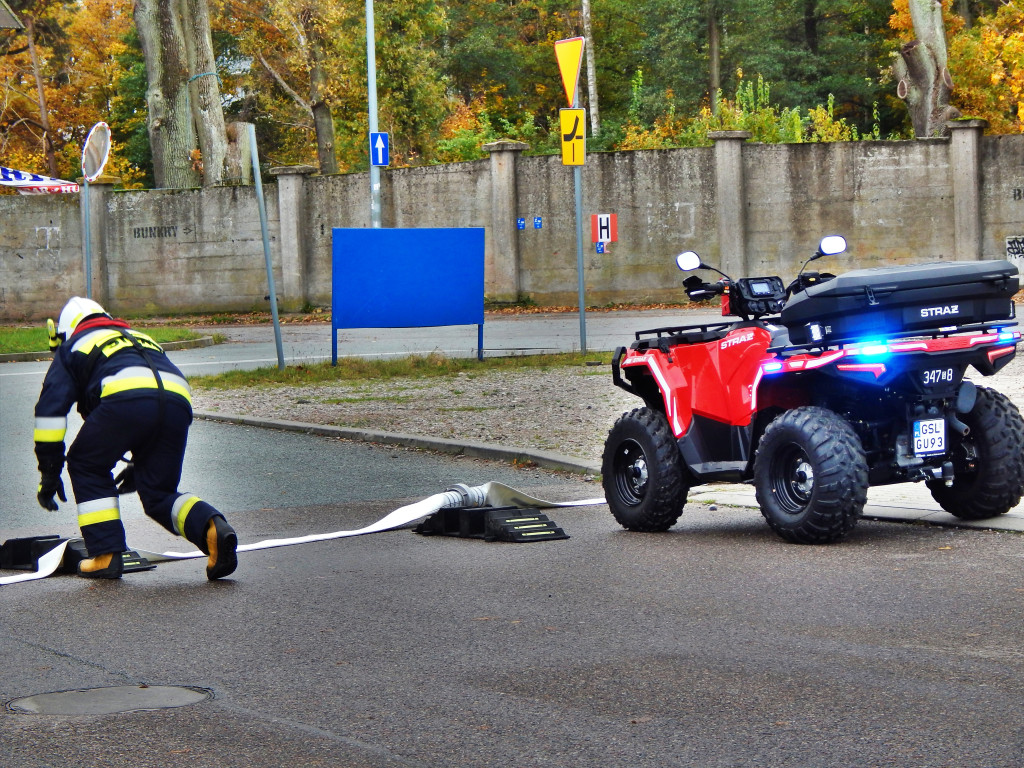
491	524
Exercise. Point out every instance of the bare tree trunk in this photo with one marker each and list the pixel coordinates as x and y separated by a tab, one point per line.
922	77
811	24
323	119
172	135
204	90
963	8
714	56
595	120
44	112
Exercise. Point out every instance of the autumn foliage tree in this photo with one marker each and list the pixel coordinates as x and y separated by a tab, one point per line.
455	75
988	59
984	65
50	100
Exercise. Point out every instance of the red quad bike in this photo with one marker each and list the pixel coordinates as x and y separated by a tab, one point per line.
821	390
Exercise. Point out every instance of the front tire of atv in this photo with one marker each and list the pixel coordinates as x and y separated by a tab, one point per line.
811	476
642	472
988	463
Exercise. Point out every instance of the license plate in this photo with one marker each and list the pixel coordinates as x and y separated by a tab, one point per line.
929	437
931	377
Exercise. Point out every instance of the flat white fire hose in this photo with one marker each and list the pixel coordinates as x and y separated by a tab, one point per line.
487	495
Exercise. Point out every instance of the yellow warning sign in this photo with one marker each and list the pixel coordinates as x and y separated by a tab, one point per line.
569	54
573	132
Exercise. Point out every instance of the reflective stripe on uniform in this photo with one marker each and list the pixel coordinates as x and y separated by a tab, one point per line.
50	429
88	340
98	511
138	377
111	341
179	511
145	340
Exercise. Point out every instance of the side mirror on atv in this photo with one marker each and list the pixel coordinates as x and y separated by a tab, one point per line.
831	245
688	260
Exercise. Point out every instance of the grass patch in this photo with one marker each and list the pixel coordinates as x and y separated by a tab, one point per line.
414	366
13	339
368	399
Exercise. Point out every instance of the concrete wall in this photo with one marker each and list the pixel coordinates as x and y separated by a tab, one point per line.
1002	196
748	208
40	254
184	250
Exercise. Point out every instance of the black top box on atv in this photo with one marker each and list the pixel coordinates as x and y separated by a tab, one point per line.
886	301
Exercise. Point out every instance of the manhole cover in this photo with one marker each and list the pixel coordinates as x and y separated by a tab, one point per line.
108	701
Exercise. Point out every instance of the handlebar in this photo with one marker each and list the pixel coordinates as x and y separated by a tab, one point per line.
698	290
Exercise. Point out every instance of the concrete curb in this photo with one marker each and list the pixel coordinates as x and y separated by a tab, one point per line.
34	357
544	459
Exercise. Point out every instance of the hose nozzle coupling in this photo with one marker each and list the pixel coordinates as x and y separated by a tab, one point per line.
475	496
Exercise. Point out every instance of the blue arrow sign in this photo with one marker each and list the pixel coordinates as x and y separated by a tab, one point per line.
379	149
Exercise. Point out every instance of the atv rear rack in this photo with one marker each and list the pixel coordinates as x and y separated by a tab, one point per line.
665	338
783	346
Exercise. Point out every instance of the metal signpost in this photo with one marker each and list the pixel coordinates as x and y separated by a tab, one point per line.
262	204
375	136
94	158
569	54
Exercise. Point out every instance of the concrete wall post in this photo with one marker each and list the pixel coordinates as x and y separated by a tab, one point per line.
729	201
965	160
292	244
98	193
501	278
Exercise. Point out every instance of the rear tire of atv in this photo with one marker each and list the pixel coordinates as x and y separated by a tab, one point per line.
642	472
996	484
811	476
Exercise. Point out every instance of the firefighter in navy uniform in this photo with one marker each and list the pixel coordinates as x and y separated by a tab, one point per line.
133	399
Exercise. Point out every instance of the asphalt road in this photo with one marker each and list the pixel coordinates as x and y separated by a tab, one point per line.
715	644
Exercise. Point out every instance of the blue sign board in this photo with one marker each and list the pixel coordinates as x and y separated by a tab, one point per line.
407	278
520	223
380	149
537	223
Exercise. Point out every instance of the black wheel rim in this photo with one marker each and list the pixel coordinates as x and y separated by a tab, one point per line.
792	478
631	472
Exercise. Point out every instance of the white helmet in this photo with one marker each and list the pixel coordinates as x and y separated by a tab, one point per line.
74	312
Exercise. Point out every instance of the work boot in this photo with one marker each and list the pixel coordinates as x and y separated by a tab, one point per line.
221	542
108	566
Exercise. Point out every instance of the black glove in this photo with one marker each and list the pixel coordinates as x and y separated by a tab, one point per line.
50	484
125	480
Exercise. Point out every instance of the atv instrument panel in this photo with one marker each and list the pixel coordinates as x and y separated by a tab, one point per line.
758	296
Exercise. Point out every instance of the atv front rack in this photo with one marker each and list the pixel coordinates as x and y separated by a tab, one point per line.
673	336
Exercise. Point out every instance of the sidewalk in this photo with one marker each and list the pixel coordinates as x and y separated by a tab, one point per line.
905	502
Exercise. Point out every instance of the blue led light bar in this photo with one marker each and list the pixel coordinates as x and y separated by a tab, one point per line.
873	349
